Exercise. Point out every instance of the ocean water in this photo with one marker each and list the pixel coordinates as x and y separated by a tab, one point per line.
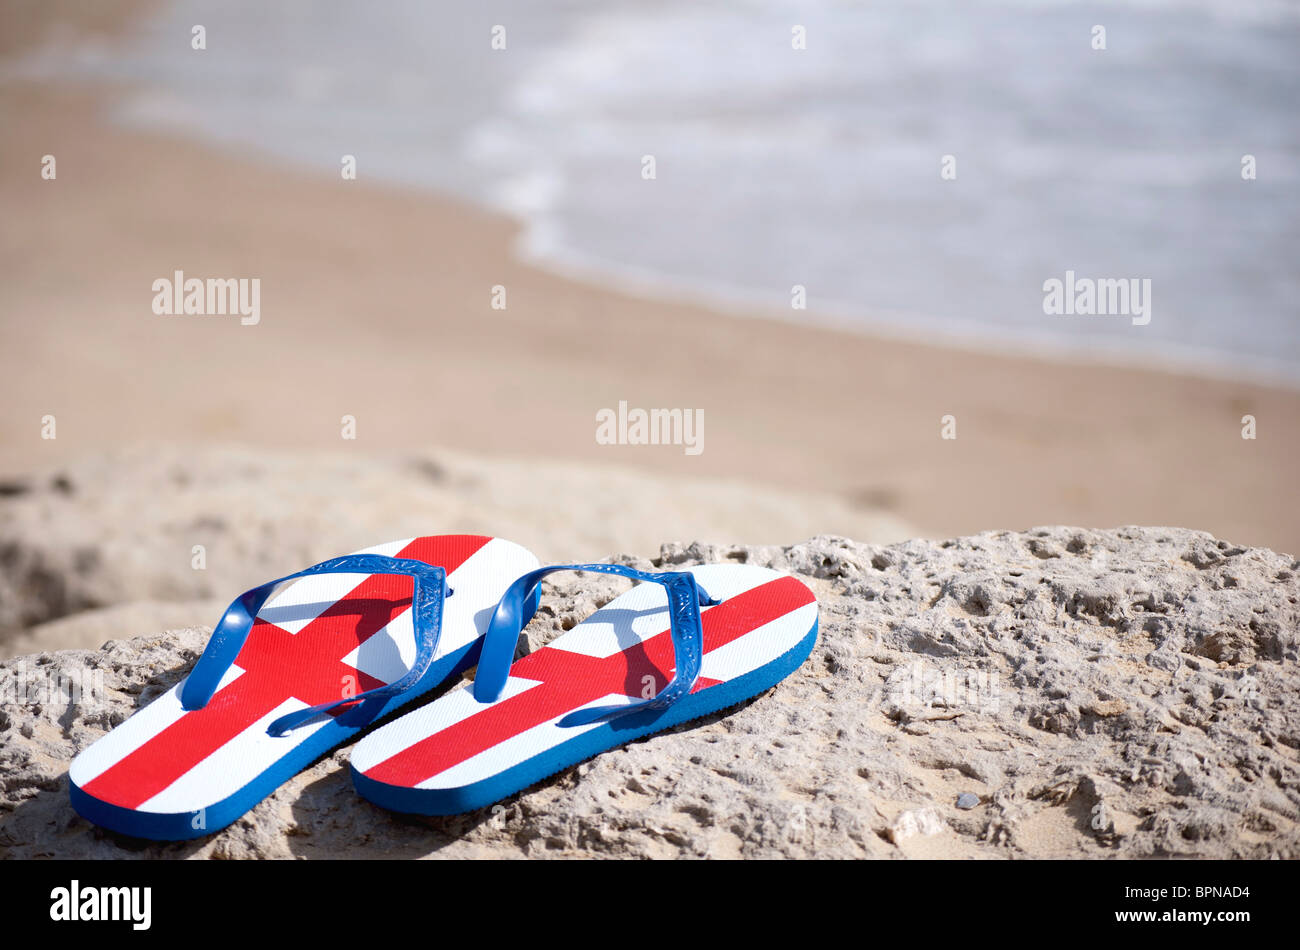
818	167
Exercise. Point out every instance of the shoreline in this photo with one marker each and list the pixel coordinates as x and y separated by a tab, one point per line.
890	326
1039	342
375	288
871	323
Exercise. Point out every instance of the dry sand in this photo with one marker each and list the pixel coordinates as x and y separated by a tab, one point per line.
376	304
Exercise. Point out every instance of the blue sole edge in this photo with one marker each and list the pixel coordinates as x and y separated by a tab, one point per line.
455	801
188	825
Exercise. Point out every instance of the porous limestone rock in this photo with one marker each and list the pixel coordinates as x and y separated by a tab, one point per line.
1119	693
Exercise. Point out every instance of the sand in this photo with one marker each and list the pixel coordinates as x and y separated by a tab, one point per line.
376	304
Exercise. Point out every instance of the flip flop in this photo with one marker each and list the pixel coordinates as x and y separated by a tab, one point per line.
294	668
587	691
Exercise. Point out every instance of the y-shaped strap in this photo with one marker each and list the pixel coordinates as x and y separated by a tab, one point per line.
430	589
685	598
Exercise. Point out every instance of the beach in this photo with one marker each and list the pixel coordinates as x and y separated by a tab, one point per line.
377	304
1104	547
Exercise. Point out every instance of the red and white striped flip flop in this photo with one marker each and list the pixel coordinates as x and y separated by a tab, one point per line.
294	668
676	647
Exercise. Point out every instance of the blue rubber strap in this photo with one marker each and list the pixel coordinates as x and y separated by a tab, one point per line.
430	589
685	598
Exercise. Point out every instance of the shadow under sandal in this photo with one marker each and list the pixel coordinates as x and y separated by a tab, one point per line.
682	645
294	668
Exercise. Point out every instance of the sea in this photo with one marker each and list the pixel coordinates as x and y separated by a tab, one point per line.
921	169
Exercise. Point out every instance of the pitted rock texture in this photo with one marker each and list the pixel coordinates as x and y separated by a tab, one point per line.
1119	693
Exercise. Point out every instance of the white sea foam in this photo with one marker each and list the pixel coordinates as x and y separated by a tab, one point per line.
817	167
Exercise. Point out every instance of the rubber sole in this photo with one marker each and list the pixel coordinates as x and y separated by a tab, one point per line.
618	732
185	826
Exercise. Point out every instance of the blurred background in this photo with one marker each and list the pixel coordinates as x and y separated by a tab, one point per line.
817	166
500	153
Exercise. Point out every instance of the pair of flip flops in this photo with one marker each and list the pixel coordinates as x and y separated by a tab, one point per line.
300	665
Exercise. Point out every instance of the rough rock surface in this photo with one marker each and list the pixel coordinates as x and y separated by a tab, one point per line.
194	523
1130	692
